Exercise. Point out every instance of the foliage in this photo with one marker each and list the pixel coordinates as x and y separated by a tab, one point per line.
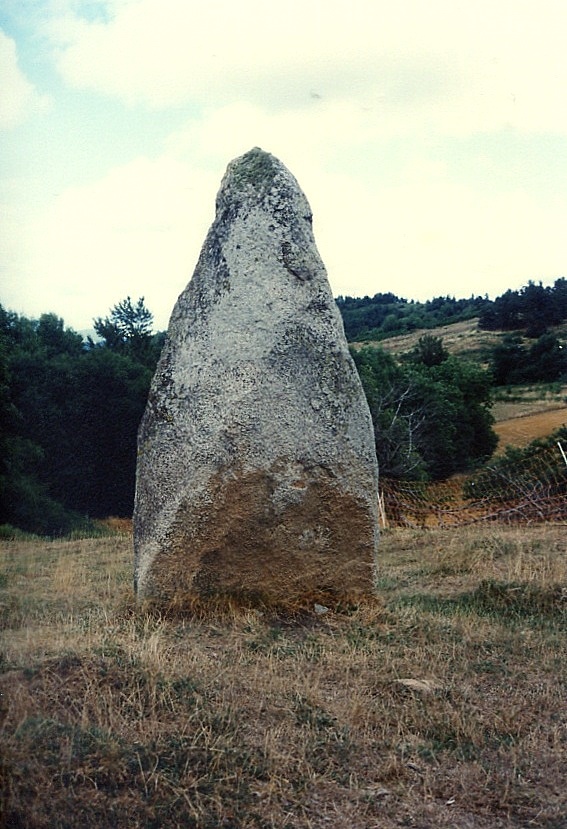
430	420
128	330
544	361
429	351
70	412
397	414
533	309
386	315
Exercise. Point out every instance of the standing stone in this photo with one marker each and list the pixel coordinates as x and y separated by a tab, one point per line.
256	470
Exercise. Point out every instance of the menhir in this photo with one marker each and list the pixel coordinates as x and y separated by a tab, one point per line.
256	472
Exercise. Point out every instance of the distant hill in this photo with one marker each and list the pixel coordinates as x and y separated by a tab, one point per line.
464	339
387	315
533	309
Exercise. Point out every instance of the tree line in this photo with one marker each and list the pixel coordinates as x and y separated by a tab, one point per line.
70	409
533	309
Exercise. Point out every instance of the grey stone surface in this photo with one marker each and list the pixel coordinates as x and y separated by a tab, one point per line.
256	467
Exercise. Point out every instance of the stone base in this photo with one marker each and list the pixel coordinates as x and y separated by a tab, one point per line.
267	537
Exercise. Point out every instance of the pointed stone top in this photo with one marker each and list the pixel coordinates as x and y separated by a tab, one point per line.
257	177
255	168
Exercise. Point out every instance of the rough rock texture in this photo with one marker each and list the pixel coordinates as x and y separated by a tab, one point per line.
256	464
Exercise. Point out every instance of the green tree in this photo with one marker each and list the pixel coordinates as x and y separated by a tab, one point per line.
25	497
111	391
397	414
457	432
507	360
429	421
429	351
69	416
54	338
544	362
128	330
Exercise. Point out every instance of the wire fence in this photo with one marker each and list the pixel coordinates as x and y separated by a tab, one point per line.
514	492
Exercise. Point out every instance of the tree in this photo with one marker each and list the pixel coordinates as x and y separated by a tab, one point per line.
544	362
429	421
69	418
396	414
429	351
507	360
54	338
26	500
128	329
458	432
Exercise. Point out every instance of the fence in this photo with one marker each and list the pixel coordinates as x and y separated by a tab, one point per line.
527	491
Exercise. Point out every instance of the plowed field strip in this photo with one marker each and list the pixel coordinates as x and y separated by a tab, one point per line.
519	431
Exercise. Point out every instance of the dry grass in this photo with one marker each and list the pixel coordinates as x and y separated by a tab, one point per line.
464	339
441	704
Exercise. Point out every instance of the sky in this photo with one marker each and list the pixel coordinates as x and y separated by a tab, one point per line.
430	137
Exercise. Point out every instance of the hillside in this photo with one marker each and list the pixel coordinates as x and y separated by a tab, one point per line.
464	339
534	308
523	413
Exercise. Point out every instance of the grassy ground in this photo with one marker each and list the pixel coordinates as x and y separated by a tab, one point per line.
440	704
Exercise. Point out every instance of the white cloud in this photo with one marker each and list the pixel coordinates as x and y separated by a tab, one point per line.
352	95
420	233
138	231
18	97
442	66
135	232
428	236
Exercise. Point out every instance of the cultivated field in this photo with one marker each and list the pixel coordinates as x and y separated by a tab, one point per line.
519	431
440	704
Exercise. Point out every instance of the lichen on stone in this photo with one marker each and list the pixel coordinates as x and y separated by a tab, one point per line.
254	171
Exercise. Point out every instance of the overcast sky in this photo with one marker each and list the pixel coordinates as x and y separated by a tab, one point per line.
430	137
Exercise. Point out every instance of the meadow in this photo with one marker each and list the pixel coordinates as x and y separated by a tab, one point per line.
440	703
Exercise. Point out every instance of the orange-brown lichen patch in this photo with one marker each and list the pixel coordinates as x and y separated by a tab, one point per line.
240	544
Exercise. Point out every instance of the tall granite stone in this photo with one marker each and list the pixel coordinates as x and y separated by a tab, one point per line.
256	469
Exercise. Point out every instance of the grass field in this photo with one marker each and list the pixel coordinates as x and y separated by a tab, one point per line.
443	703
464	339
